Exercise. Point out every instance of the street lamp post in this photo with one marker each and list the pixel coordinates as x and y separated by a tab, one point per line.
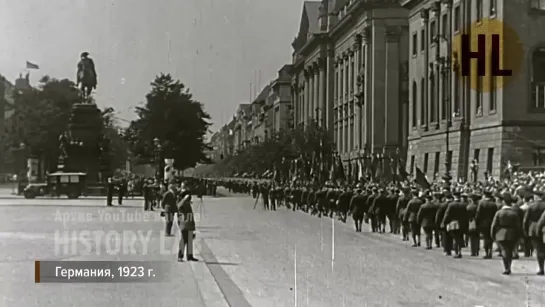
158	149
446	65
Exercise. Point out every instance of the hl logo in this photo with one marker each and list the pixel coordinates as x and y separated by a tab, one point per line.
497	50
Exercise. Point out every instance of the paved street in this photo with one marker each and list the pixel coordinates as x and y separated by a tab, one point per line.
250	257
27	233
369	269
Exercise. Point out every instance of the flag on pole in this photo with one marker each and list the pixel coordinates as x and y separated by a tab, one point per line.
31	65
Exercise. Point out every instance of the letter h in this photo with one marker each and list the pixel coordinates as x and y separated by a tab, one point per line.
467	55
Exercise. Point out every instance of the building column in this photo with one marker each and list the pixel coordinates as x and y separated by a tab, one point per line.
301	103
306	99
391	114
346	94
322	92
357	108
294	103
367	87
311	91
339	104
316	102
329	80
378	75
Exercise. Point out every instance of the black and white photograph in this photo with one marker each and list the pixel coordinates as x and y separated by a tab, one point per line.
258	153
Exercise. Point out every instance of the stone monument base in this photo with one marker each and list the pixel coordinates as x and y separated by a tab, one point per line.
85	129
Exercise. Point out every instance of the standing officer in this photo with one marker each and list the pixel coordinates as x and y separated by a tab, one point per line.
169	206
110	192
186	223
531	217
426	219
122	191
505	230
486	210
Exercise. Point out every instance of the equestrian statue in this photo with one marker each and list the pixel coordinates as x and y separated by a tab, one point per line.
87	76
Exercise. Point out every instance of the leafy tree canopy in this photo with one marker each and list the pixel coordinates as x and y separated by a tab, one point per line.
42	114
176	119
310	142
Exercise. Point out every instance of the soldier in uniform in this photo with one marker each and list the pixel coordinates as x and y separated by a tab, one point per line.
411	217
472	231
401	208
371	208
446	239
344	203
541	231
357	207
426	218
455	222
169	203
437	200
505	230
486	210
390	211
531	217
321	200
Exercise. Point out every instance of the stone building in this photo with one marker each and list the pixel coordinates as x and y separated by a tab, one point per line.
350	74
453	121
279	101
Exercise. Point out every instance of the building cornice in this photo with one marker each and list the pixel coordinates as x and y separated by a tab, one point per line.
411	4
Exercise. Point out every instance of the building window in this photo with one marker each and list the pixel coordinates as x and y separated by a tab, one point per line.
492	7
432	98
490	160
476	154
449	158
456	18
433	31
346	79
479	96
436	164
425	163
337	82
537	4
353	76
422	39
492	95
444	25
423	106
539	156
413	105
412	164
415	44
479	10
341	84
538	79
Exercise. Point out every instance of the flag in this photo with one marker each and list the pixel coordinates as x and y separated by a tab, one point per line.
31	65
421	179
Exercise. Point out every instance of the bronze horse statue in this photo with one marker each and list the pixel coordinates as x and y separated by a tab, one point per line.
86	76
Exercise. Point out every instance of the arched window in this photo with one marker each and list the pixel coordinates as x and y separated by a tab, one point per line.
423	106
537	79
414	113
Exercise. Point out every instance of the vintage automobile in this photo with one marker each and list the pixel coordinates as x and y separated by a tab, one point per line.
58	184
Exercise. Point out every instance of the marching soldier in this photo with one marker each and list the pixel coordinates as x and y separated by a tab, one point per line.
411	217
357	207
505	230
454	222
531	217
344	199
446	239
426	219
169	206
541	232
472	231
486	210
401	208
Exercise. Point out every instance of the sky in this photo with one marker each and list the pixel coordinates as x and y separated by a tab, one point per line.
215	47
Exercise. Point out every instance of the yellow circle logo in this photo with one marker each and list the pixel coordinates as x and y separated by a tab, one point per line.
492	51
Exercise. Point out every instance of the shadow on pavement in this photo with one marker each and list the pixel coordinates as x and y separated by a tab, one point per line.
70	205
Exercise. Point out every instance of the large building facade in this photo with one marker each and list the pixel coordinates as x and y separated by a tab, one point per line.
350	74
453	120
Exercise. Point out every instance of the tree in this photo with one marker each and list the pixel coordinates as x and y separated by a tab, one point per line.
117	151
176	119
41	115
310	143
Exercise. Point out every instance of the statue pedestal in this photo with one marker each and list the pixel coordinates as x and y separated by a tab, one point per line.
85	129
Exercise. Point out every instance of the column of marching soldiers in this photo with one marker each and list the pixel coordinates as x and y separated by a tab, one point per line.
452	217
